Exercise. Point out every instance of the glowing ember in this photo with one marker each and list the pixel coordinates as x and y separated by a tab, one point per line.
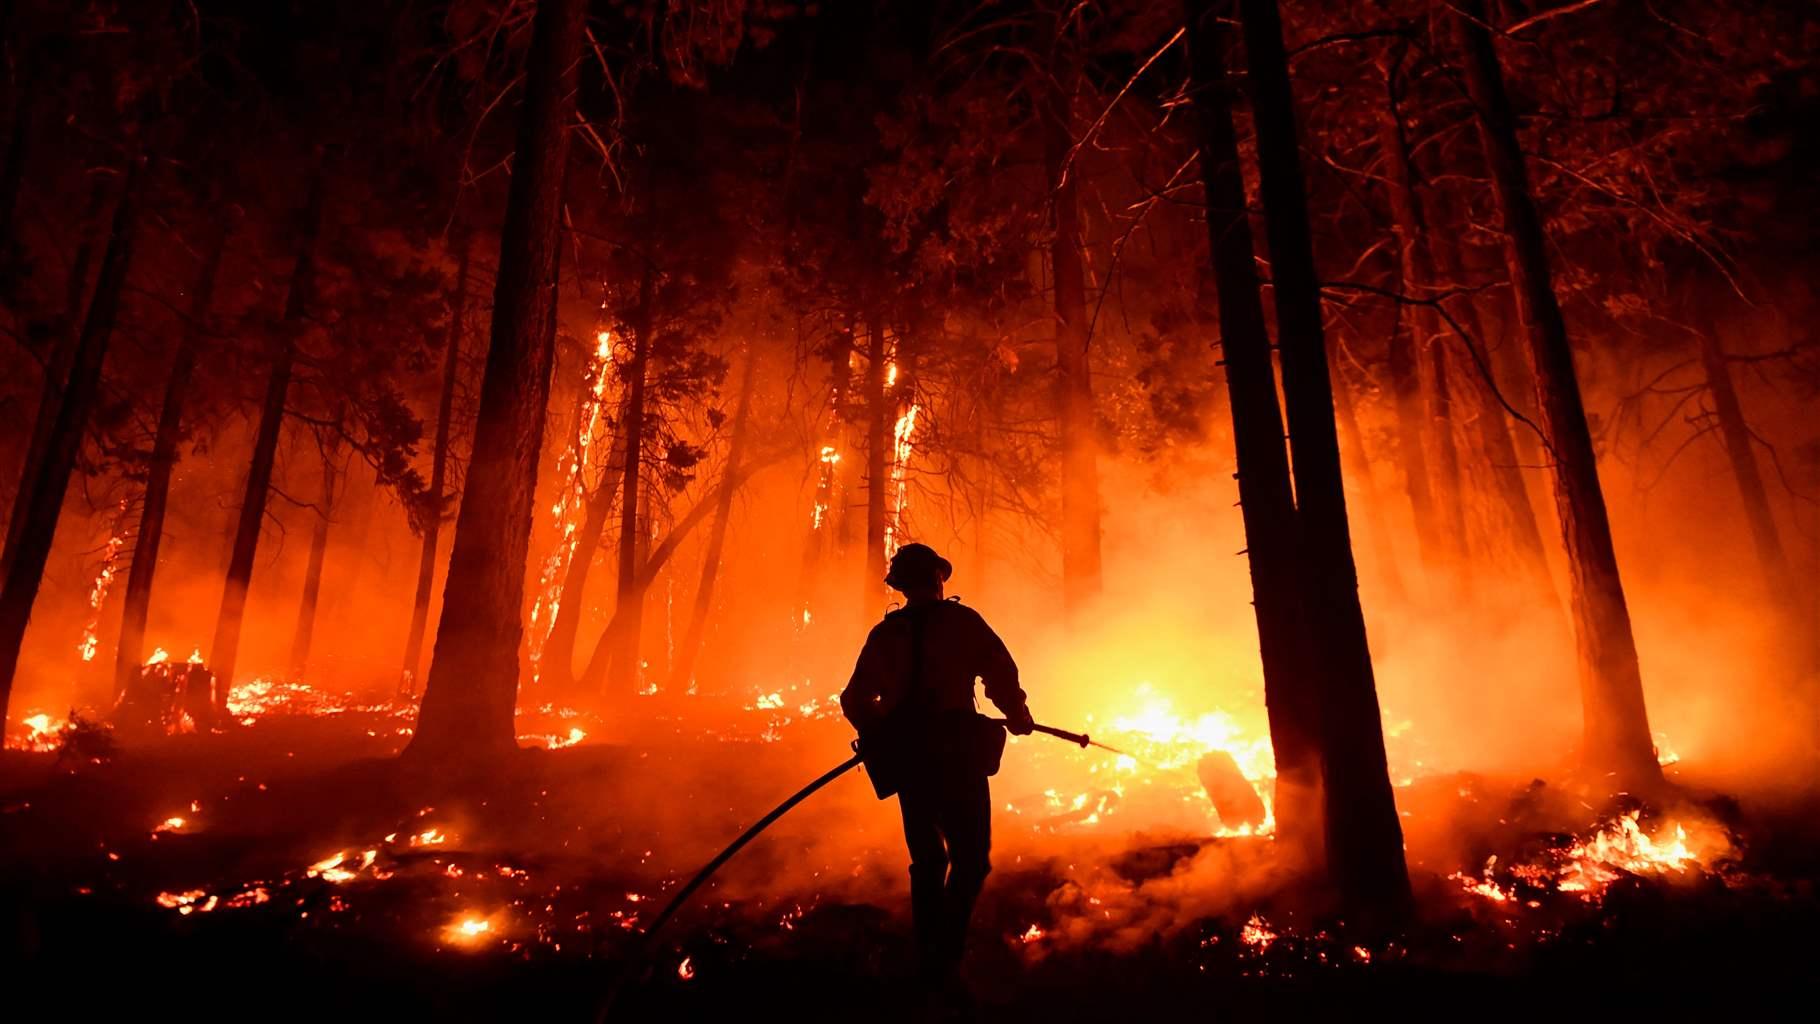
1031	934
470	929
1257	934
686	969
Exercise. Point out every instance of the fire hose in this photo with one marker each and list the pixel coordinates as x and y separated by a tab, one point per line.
701	877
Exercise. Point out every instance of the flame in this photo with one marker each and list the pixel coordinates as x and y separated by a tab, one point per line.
570	502
901	449
170	824
824	485
43	734
97	592
159	657
1623	847
686	969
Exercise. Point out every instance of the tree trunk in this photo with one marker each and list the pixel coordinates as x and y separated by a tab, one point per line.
305	631
1364	835
684	672
45	507
56	366
1389	573
12	177
1439	524
137	605
1080	484
1266	502
655	561
439	472
469	699
559	649
1736	436
225	651
878	469
1491	427
629	598
1616	724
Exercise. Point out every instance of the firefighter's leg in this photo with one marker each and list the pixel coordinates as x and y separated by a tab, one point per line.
928	871
967	824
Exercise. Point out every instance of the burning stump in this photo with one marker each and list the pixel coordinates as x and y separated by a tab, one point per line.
1234	798
167	698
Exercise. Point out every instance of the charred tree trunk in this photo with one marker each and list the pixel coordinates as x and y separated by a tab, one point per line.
1080	484
439	473
1364	835
138	602
1266	501
305	632
225	651
629	597
57	366
878	468
26	570
717	537
469	698
1616	724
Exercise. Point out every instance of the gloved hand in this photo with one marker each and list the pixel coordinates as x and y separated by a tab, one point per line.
1019	722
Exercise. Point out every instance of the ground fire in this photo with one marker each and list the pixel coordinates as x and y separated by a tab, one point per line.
996	510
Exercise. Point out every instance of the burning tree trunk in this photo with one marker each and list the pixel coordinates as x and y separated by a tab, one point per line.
473	682
56	367
878	473
26	570
684	671
136	608
439	471
225	651
1080	484
628	610
1616	723
1364	835
1265	499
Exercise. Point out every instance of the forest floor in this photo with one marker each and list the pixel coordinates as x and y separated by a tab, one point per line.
295	869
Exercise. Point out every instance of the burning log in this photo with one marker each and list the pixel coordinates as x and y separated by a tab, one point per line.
1234	798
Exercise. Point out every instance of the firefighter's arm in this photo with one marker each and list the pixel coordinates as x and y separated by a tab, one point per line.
998	672
865	700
